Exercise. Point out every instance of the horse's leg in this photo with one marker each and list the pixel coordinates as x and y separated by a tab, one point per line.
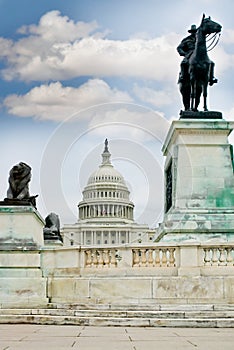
183	93
205	96
195	89
186	97
192	94
198	95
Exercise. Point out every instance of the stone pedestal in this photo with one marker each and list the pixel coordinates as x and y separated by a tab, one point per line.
20	226
199	182
21	239
21	280
53	243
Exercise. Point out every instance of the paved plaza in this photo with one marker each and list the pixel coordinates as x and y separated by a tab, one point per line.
44	337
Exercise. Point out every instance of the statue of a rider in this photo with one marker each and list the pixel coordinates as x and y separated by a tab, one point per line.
186	48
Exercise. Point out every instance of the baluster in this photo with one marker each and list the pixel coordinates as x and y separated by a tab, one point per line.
164	257
88	258
105	258
136	259
229	256
133	257
113	261
214	261
207	260
172	257
150	257
99	258
222	257
143	257
157	257
94	258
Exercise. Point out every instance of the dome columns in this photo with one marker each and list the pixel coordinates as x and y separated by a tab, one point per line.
93	211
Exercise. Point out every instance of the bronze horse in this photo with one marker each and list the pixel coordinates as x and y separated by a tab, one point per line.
199	67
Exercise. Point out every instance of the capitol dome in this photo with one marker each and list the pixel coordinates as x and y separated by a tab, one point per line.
106	194
105	212
106	172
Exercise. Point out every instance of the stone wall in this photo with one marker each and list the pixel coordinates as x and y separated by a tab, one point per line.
188	273
180	273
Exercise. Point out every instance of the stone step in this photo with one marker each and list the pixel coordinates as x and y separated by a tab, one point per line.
144	307
119	321
119	313
171	316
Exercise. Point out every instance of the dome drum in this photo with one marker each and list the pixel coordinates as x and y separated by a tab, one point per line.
107	211
106	194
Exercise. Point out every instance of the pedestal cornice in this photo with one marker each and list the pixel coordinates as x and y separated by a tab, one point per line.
196	126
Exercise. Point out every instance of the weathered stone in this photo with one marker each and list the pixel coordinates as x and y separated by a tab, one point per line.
120	288
69	289
196	288
22	291
202	181
21	228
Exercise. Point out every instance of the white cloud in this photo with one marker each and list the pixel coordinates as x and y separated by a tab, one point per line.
36	53
223	61
152	59
130	121
58	48
53	27
228	37
56	102
6	47
156	98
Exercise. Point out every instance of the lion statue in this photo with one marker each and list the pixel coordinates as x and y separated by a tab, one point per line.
52	227
19	178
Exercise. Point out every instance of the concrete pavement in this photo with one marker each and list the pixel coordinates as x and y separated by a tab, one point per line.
44	337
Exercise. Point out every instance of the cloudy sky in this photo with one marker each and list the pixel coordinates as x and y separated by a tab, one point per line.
76	72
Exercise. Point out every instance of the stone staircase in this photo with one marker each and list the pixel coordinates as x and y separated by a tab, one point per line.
217	316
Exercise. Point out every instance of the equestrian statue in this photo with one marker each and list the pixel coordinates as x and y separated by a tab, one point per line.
197	70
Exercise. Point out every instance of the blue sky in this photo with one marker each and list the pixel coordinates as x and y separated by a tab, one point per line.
76	72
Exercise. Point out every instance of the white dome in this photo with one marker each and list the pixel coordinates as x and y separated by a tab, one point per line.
106	172
106	196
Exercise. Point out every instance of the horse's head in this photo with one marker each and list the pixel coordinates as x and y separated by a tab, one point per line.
208	26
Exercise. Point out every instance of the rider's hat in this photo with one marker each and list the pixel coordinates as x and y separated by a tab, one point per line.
193	29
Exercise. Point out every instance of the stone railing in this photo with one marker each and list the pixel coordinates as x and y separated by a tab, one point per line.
184	259
137	257
218	255
101	257
154	257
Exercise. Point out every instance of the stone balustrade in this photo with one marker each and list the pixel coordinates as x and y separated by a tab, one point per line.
154	257
100	257
218	255
187	258
141	257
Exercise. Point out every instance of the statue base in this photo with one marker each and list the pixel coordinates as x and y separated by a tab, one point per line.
31	201
53	242
15	201
199	182
200	115
52	238
21	227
